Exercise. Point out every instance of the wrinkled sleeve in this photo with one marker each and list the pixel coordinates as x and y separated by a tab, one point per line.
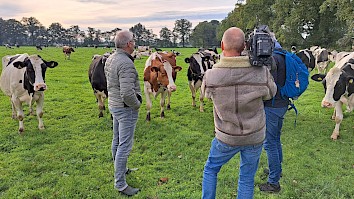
208	91
272	87
127	78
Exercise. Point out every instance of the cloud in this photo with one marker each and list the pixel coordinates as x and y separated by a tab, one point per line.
9	10
98	1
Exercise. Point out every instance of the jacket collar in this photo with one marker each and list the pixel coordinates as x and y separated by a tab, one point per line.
233	62
118	50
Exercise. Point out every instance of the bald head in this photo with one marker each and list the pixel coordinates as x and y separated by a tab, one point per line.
233	40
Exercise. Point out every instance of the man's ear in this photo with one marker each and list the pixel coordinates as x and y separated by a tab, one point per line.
222	45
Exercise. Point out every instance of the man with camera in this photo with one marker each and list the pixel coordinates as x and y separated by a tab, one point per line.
237	90
275	110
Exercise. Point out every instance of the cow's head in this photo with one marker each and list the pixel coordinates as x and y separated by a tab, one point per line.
34	77
307	58
201	61
337	82
162	71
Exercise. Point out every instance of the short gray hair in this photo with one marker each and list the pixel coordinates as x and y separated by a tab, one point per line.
122	38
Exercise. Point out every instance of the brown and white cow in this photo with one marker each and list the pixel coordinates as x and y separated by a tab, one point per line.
199	63
23	80
67	51
98	80
159	78
339	89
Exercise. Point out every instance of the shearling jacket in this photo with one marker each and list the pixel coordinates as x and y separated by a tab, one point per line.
237	90
122	81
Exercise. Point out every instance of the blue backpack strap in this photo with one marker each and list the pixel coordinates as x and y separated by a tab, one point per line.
292	106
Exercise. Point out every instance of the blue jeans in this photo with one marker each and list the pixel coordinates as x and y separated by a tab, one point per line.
272	143
124	123
220	154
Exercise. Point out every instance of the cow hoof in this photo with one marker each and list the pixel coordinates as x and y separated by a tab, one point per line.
148	117
100	115
20	131
162	115
168	107
334	137
41	128
201	110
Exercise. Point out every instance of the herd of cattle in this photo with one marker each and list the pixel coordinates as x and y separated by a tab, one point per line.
23	79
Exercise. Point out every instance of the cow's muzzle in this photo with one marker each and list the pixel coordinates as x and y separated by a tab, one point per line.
40	87
172	88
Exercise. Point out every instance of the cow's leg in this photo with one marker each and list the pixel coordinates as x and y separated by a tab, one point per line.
191	87
169	93
338	119
148	103
162	103
200	86
20	116
100	101
14	114
39	111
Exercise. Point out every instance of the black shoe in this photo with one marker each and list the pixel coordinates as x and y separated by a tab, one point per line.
270	188
129	191
266	171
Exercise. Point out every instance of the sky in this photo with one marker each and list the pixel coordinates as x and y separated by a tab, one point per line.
110	14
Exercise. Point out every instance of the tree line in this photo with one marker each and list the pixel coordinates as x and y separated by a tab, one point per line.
304	23
29	31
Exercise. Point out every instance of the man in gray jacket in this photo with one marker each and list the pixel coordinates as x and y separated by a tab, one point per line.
237	90
124	100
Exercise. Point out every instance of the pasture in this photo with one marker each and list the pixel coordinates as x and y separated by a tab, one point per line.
71	158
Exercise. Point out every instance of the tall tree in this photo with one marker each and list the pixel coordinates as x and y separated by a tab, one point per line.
204	34
55	33
32	24
13	32
343	10
183	29
73	34
165	36
138	31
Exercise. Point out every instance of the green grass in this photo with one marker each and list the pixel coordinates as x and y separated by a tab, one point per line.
71	158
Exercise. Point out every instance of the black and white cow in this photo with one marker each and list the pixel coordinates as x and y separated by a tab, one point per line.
321	57
23	80
199	63
339	88
307	58
98	80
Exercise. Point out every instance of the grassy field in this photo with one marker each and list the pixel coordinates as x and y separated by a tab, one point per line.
71	158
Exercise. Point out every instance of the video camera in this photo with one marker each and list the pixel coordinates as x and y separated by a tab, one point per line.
260	46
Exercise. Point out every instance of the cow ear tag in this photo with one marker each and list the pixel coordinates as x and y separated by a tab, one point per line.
351	81
320	78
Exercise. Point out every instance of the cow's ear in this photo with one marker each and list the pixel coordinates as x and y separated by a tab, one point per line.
154	69
187	60
51	64
318	77
19	64
177	68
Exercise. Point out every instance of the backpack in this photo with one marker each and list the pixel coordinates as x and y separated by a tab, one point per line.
296	80
297	76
